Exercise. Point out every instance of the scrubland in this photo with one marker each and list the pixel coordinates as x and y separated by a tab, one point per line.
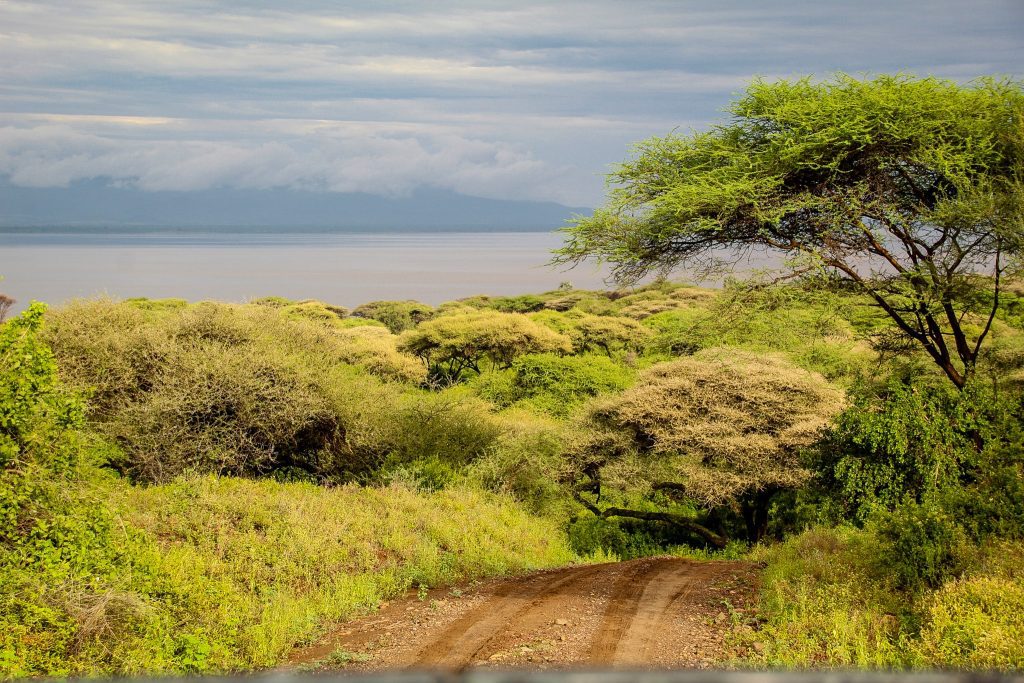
200	487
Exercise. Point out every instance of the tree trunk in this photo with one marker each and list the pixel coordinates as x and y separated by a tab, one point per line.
755	513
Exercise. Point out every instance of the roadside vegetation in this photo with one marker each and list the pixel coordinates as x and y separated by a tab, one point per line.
199	487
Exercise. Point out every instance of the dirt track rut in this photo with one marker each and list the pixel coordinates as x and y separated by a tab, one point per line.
647	613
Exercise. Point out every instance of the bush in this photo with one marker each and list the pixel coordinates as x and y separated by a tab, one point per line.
434	437
222	388
975	623
910	442
554	384
824	605
59	560
988	500
452	344
317	311
723	428
920	546
525	462
398	316
376	350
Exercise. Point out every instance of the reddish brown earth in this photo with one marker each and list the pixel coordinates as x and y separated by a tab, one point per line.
647	613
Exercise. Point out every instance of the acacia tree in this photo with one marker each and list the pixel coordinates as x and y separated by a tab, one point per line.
722	429
911	189
451	344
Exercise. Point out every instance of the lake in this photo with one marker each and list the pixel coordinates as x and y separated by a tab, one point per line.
337	267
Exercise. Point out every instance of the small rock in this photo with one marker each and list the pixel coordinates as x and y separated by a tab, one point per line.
561	622
758	648
496	657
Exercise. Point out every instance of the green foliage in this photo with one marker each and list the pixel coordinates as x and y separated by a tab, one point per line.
907	188
317	311
607	334
977	622
517	304
374	348
920	445
208	575
824	605
723	427
554	384
920	546
398	316
233	389
454	343
59	560
156	304
909	443
435	437
828	599
989	500
526	463
813	325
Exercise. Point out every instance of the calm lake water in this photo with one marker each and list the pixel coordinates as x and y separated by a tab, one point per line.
340	268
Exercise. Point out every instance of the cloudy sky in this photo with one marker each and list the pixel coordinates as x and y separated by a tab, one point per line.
507	100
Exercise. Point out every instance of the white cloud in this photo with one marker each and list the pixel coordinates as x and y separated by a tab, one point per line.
334	160
512	100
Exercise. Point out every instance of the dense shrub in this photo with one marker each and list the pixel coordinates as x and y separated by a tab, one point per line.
603	333
920	546
398	316
221	388
453	343
434	437
376	350
959	451
907	443
525	462
318	311
59	560
554	384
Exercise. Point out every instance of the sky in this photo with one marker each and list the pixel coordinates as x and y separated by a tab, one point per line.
503	100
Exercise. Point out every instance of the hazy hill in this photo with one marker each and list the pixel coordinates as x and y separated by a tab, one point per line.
97	203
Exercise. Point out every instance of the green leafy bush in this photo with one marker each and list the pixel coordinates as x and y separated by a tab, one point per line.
376	349
554	384
975	623
920	546
907	443
398	316
454	343
824	605
60	592
525	462
318	311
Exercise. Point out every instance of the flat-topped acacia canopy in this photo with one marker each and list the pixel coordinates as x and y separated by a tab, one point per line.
909	188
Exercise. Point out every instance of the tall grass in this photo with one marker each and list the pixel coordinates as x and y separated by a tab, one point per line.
827	602
224	574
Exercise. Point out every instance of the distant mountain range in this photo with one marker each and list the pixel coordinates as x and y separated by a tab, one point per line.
96	204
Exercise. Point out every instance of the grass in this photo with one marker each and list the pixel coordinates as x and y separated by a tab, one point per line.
824	604
226	574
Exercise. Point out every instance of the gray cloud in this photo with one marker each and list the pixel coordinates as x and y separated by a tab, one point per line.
507	100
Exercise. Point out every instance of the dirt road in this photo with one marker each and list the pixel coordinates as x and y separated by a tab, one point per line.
647	613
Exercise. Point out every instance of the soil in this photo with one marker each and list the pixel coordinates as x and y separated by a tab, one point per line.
651	613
